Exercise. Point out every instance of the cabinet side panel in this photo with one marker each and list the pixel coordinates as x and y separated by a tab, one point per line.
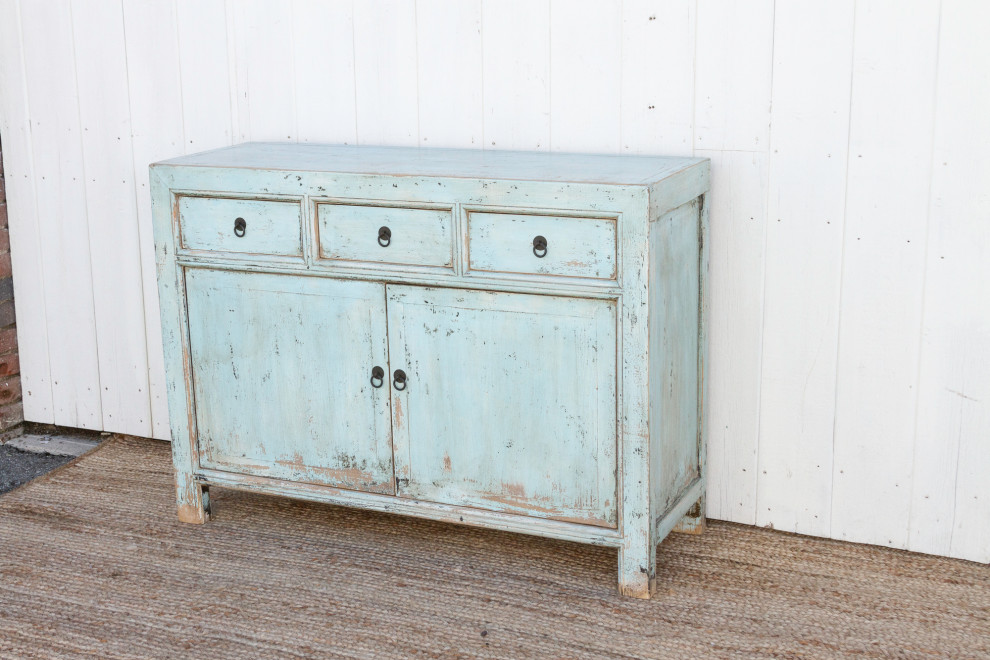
674	300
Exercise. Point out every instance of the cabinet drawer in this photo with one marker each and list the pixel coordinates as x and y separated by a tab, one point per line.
386	234
240	225
574	246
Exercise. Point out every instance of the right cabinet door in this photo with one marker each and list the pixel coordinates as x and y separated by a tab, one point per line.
509	401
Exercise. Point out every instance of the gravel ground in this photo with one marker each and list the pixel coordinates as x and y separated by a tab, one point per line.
19	467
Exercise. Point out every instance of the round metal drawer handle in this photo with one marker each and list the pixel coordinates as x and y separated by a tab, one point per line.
399	380
540	247
384	236
240	226
377	374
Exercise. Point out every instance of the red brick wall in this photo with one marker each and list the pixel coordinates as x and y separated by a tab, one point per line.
11	408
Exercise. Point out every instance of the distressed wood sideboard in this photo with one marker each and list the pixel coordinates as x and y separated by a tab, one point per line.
503	339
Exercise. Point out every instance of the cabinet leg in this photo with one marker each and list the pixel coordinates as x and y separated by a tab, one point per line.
693	521
194	501
638	569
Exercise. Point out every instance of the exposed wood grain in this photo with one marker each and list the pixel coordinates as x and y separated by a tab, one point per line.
469	164
674	380
350	232
408	507
574	247
178	375
270	227
499	411
551	391
265	401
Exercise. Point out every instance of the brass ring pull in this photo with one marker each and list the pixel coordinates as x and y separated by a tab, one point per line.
377	373
240	227
399	380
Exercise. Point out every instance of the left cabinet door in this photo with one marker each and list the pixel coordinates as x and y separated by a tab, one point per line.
282	377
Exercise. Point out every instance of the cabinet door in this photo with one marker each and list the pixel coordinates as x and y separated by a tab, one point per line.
509	402
282	377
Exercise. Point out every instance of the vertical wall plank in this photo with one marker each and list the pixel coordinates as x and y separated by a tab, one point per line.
23	221
61	200
114	240
265	81
732	101
517	74
385	69
809	136
737	220
205	74
658	76
323	51
585	53
950	504
733	73
448	38
883	269
156	123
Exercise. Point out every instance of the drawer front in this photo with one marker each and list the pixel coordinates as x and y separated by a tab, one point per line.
416	237
269	227
574	247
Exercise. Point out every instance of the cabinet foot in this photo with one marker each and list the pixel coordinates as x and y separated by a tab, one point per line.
693	521
195	508
638	571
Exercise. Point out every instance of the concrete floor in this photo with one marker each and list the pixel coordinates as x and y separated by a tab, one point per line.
31	455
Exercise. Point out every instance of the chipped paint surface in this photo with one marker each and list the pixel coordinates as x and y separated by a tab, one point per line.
674	383
266	403
576	246
503	385
419	236
534	400
272	227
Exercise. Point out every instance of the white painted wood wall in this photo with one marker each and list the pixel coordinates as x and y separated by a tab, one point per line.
850	356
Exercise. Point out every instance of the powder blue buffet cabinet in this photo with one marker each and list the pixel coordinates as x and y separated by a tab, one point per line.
504	339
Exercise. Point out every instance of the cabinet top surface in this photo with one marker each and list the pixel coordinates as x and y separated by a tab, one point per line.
453	163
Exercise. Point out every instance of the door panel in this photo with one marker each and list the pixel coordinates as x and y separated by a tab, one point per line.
282	377
510	402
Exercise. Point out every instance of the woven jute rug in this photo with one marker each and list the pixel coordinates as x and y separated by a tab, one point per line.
93	563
